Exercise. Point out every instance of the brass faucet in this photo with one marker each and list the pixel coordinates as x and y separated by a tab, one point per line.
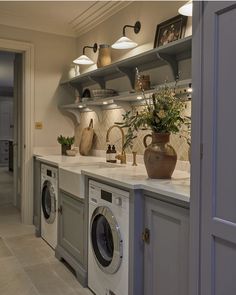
122	156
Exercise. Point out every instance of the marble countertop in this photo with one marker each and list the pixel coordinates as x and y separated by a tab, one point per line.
135	177
128	176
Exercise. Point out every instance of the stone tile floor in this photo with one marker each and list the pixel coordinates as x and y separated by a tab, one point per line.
27	263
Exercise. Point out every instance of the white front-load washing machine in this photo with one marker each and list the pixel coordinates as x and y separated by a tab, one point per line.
49	201
108	244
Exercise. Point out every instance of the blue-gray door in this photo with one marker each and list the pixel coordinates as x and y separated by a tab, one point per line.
217	220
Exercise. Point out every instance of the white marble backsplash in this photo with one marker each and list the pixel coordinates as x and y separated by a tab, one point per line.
181	165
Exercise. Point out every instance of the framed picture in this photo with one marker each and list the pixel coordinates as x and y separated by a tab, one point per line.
170	30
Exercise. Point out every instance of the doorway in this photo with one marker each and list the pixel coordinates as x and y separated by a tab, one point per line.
24	183
6	128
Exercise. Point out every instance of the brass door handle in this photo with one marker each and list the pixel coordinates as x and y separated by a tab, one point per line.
60	209
146	235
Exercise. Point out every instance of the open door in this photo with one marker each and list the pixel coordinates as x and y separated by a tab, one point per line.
17	135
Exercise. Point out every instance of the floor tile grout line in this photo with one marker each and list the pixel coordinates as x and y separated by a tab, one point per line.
57	269
31	281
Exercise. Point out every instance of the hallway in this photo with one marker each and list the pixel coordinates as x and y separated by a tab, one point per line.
28	265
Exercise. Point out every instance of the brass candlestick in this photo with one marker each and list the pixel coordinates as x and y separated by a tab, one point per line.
134	159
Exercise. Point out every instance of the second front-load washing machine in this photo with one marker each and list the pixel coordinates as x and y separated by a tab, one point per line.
108	244
49	200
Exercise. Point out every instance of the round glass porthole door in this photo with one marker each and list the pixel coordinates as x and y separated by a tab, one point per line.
48	202
106	240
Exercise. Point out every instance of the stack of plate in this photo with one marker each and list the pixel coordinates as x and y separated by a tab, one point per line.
102	93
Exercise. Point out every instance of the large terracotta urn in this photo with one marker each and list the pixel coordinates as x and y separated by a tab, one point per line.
159	157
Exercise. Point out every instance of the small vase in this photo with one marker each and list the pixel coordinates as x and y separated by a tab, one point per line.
159	157
104	56
64	148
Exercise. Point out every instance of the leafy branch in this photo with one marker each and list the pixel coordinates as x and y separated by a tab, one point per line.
66	140
162	113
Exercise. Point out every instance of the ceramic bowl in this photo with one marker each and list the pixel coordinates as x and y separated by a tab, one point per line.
71	153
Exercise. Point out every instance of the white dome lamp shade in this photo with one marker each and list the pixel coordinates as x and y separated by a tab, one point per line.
84	59
186	9
124	42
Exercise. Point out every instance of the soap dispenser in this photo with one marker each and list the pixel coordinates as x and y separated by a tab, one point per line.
108	153
113	154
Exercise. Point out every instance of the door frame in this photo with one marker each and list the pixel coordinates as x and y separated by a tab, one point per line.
27	50
196	149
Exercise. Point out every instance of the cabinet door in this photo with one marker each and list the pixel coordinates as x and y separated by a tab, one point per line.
71	226
166	252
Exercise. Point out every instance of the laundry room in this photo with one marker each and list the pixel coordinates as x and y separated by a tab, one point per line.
113	154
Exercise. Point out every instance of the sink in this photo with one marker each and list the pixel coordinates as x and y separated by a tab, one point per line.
72	181
80	166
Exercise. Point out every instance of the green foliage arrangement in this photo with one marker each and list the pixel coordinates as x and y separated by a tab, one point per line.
66	140
186	133
161	113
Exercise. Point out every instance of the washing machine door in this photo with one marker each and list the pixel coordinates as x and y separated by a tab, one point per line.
48	202
106	240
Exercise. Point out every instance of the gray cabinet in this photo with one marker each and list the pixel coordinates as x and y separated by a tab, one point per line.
4	152
166	248
71	233
37	198
6	118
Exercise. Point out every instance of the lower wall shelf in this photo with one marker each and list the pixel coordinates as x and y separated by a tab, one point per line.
124	100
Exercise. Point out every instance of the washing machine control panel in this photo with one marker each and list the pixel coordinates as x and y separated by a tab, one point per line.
111	198
107	196
102	194
118	201
49	172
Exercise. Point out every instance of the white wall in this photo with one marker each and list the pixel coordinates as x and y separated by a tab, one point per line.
53	53
149	13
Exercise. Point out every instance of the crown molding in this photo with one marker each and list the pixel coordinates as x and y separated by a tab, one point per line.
95	15
74	26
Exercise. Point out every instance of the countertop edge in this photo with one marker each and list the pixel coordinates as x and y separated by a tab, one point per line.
171	194
46	161
184	197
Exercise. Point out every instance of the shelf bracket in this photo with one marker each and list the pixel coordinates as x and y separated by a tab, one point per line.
100	81
171	60
123	104
130	73
78	87
74	112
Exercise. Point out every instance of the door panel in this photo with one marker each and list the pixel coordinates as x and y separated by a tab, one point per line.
224	99
225	267
218	202
72	217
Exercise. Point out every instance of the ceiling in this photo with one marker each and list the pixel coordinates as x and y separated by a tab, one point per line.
69	18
